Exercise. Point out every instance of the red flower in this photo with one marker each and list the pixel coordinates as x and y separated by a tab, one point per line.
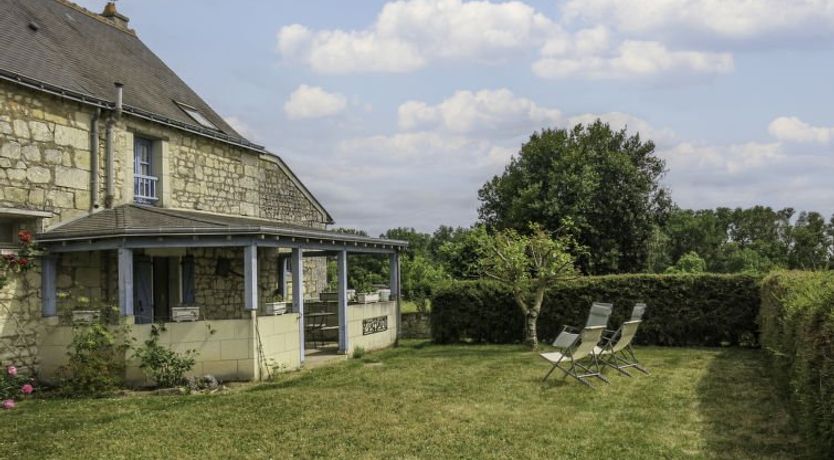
9	257
23	261
25	236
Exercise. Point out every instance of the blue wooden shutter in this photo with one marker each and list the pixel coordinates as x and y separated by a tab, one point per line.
188	280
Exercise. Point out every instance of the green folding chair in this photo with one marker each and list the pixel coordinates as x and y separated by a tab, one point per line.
616	351
597	316
576	348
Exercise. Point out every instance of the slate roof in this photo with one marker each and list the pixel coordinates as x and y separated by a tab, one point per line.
137	220
79	51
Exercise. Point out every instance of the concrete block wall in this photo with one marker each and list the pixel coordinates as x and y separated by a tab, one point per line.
228	349
357	313
279	342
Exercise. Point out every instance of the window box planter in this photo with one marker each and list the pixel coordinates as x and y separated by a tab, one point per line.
368	297
331	296
384	295
181	314
85	316
275	308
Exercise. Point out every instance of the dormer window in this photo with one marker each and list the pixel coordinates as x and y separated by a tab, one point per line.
144	177
197	116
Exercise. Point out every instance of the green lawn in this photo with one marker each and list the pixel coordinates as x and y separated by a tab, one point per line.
428	401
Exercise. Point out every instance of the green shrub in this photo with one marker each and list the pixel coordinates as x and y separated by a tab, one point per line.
358	352
683	310
797	318
164	366
96	364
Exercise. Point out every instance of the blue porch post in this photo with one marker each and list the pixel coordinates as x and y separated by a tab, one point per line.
341	264
250	277
297	264
49	287
395	285
125	281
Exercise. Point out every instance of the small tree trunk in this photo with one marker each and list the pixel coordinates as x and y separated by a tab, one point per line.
531	314
530	336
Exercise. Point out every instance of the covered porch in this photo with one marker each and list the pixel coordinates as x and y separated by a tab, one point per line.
159	265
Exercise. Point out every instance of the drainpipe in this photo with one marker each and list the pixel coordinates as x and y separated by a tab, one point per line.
108	146
94	166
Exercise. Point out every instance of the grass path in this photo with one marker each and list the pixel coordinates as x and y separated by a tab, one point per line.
427	401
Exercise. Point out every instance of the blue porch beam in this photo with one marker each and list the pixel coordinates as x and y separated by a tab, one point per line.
297	265
250	277
49	285
125	281
395	286
341	265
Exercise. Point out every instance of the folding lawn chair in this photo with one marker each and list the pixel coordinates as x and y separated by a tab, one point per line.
616	351
597	316
577	347
637	312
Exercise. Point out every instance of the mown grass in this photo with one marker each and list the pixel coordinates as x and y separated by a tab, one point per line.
428	401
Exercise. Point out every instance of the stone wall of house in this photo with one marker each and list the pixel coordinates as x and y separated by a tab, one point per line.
44	154
206	175
45	165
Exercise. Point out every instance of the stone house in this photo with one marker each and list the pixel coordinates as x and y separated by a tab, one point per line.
144	198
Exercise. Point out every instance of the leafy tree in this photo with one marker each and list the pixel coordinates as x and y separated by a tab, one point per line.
418	243
605	181
528	265
420	277
690	262
811	242
457	250
363	269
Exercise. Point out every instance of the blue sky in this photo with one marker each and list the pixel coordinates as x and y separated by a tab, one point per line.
395	113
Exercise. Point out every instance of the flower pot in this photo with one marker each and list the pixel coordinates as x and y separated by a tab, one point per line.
384	295
275	308
181	314
332	296
85	316
329	296
367	297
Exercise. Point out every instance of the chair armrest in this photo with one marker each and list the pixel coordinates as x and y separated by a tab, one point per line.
565	340
570	329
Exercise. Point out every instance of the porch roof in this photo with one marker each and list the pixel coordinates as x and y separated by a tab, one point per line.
155	225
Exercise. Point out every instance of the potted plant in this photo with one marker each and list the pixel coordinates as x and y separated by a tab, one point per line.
367	297
277	307
333	295
384	295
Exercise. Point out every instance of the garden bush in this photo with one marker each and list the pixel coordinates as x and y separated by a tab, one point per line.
164	366
797	319
683	310
96	363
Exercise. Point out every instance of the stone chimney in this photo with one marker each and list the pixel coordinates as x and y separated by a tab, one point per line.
114	17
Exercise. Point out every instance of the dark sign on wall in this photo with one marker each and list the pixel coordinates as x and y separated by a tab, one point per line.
374	325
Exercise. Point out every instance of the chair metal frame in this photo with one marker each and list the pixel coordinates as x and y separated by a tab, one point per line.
581	346
597	316
616	351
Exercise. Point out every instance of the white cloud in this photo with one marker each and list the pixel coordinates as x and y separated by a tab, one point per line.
313	102
241	127
493	111
408	34
733	19
631	59
792	129
501	115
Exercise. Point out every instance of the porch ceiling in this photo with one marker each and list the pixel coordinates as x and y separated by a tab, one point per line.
146	226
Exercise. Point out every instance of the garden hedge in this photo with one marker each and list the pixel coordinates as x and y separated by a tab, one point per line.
683	310
797	320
